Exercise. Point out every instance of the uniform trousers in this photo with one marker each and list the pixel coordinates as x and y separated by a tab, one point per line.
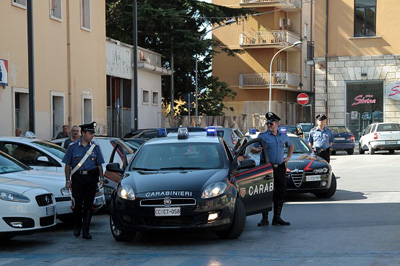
280	184
84	191
326	154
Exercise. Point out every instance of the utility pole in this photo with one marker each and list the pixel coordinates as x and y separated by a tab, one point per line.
135	66
31	67
172	76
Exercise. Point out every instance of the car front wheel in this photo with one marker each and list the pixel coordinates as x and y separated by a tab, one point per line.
237	226
120	235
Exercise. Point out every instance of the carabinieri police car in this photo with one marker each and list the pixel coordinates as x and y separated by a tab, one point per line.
189	181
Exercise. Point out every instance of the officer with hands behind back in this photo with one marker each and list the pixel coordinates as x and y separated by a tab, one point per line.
275	141
321	138
83	161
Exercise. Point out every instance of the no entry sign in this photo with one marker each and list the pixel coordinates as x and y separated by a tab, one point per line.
302	98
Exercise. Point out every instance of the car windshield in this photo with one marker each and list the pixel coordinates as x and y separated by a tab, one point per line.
299	145
180	156
134	143
10	165
51	147
306	128
388	127
290	129
339	129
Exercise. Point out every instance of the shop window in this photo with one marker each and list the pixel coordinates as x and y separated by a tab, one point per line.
364	18
85	14
155	98
55	9
126	87
146	97
19	3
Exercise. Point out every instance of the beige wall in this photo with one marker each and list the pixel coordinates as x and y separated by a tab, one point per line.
341	30
87	62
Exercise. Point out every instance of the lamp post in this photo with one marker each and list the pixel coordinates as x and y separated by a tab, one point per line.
270	71
228	22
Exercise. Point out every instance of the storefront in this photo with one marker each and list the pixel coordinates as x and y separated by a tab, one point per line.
364	105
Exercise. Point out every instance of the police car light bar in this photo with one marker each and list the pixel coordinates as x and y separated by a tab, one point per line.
283	130
211	131
161	132
252	130
183	133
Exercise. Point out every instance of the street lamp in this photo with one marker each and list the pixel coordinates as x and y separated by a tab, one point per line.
270	71
228	22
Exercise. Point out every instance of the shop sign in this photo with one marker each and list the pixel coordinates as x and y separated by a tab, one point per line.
361	99
3	72
393	90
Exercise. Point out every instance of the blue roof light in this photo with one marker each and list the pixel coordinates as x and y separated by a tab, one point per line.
183	133
252	130
161	132
283	130
211	131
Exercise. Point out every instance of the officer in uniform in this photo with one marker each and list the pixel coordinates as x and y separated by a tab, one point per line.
321	138
83	182
275	141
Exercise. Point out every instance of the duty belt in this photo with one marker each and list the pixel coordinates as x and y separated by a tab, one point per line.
84	172
276	165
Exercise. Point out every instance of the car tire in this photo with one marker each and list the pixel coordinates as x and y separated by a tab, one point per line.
330	192
350	151
371	150
333	152
360	149
120	235
237	226
391	151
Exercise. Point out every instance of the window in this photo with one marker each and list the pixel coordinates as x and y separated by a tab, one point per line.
20	3
305	30
85	14
145	96
364	18
55	9
305	74
155	97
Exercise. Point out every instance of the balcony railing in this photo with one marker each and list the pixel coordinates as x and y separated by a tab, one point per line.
149	57
278	3
273	38
279	79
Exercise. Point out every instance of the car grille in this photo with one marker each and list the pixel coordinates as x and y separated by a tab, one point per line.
44	200
298	177
168	221
45	221
174	202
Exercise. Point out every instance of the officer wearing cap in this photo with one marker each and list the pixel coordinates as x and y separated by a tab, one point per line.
85	171
321	138
275	141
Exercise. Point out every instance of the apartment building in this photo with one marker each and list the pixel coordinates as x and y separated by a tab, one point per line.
276	25
69	65
357	71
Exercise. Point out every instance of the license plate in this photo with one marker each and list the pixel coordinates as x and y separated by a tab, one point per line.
313	178
340	138
176	211
50	210
392	142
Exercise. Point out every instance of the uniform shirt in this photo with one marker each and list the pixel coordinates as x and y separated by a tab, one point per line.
321	138
275	145
76	151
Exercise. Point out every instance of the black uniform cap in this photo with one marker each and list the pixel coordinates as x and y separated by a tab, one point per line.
271	117
320	117
88	127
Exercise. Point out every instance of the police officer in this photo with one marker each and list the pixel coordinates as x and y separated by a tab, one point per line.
321	138
275	141
85	178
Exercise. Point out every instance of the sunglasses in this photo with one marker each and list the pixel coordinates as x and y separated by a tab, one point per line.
270	123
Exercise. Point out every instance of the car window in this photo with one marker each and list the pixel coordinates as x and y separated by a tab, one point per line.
239	133
180	155
220	133
299	145
8	165
373	128
306	128
118	156
367	130
51	147
339	129
388	127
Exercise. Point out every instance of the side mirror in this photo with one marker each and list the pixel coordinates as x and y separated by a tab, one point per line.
114	167
42	159
245	164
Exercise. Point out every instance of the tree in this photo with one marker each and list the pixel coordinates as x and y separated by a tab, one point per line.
178	26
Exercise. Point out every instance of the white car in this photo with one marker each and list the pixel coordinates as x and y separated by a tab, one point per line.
42	155
25	208
380	136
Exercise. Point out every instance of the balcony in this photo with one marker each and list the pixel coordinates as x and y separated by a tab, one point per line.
151	61
280	80
269	39
286	5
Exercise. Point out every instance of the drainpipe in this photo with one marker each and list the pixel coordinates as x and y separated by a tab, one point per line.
69	67
135	68
31	67
326	58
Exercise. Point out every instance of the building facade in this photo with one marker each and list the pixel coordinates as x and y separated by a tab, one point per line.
276	24
120	100
69	65
357	71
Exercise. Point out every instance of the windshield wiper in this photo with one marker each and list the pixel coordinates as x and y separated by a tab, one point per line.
181	168
144	169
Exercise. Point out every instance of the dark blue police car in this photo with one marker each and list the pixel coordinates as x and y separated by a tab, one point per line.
189	181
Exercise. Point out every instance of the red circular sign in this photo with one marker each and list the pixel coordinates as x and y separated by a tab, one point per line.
302	98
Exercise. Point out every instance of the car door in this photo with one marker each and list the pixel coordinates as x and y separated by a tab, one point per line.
255	184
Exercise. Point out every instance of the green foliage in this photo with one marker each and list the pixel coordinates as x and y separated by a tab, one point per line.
178	26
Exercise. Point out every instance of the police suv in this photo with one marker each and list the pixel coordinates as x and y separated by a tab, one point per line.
189	181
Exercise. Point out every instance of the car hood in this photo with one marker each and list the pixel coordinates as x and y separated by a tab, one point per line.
305	160
186	180
15	185
53	182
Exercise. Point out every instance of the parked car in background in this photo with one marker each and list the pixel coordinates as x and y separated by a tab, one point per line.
292	129
230	135
25	208
380	136
149	133
343	139
306	129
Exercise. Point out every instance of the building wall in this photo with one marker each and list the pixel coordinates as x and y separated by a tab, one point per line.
87	64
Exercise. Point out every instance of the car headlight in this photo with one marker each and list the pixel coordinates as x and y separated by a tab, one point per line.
65	192
126	192
321	170
213	190
13	196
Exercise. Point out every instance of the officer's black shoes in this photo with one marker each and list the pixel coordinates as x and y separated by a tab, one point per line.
77	231
86	235
278	221
264	220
